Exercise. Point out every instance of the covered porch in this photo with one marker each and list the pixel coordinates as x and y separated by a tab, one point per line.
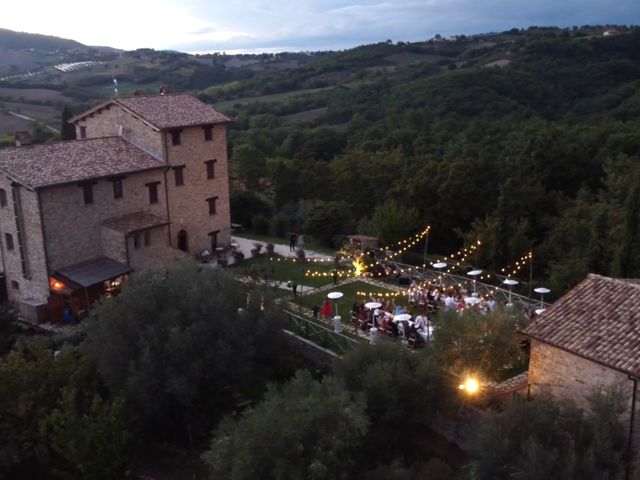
76	287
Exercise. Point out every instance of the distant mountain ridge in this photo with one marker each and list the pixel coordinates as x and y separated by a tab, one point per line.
23	40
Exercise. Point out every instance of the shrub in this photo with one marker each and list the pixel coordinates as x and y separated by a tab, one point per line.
260	224
279	226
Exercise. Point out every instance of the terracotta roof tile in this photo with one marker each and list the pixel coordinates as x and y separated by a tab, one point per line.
599	320
165	111
65	162
170	111
133	222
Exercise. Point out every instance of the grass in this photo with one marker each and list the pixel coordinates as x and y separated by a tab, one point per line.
351	296
284	270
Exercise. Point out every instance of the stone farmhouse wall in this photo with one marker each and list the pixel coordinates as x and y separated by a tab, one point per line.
564	375
34	282
157	255
72	228
189	209
107	121
113	244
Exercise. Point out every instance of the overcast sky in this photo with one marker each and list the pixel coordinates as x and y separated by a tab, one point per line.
280	25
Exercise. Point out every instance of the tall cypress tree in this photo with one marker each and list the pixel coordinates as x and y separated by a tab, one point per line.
67	130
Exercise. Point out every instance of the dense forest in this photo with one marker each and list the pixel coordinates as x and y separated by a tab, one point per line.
524	140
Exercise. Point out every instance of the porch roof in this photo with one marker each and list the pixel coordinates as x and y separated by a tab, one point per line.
90	272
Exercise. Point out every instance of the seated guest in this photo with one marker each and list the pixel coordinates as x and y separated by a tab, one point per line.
491	304
383	322
450	303
421	326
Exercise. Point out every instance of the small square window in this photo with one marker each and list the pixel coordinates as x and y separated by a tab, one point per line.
15	285
153	192
211	172
175	137
208	133
178	172
8	239
117	188
87	192
212	205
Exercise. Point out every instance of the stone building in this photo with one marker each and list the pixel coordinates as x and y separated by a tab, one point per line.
146	183
590	339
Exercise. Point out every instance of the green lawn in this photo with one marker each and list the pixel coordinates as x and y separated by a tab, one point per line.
351	296
284	270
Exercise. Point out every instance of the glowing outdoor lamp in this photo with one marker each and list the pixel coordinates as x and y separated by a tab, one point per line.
470	386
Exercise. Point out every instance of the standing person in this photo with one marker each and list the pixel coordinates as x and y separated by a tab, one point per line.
292	242
300	241
326	308
294	287
335	276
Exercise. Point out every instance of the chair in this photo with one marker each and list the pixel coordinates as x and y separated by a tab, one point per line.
412	341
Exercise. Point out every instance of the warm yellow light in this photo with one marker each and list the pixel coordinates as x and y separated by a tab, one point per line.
359	266
470	385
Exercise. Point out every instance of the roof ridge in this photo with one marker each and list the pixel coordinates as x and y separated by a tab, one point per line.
56	142
623	281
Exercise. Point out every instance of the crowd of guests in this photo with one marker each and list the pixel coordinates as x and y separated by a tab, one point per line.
413	322
440	296
396	321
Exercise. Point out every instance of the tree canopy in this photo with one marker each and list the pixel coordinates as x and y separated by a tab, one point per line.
181	344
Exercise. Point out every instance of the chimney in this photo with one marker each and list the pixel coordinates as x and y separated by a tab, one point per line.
23	137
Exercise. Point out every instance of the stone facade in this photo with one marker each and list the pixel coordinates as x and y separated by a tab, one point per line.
188	205
107	121
565	375
60	228
25	263
75	226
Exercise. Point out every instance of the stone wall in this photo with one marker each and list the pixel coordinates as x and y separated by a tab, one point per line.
113	244
189	209
34	282
106	123
73	229
564	375
157	255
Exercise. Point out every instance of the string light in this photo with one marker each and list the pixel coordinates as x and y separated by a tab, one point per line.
514	269
378	294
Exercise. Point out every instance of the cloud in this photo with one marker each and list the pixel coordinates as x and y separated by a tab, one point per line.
300	24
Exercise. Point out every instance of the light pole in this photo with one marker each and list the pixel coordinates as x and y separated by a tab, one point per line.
337	323
474	274
509	282
542	291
